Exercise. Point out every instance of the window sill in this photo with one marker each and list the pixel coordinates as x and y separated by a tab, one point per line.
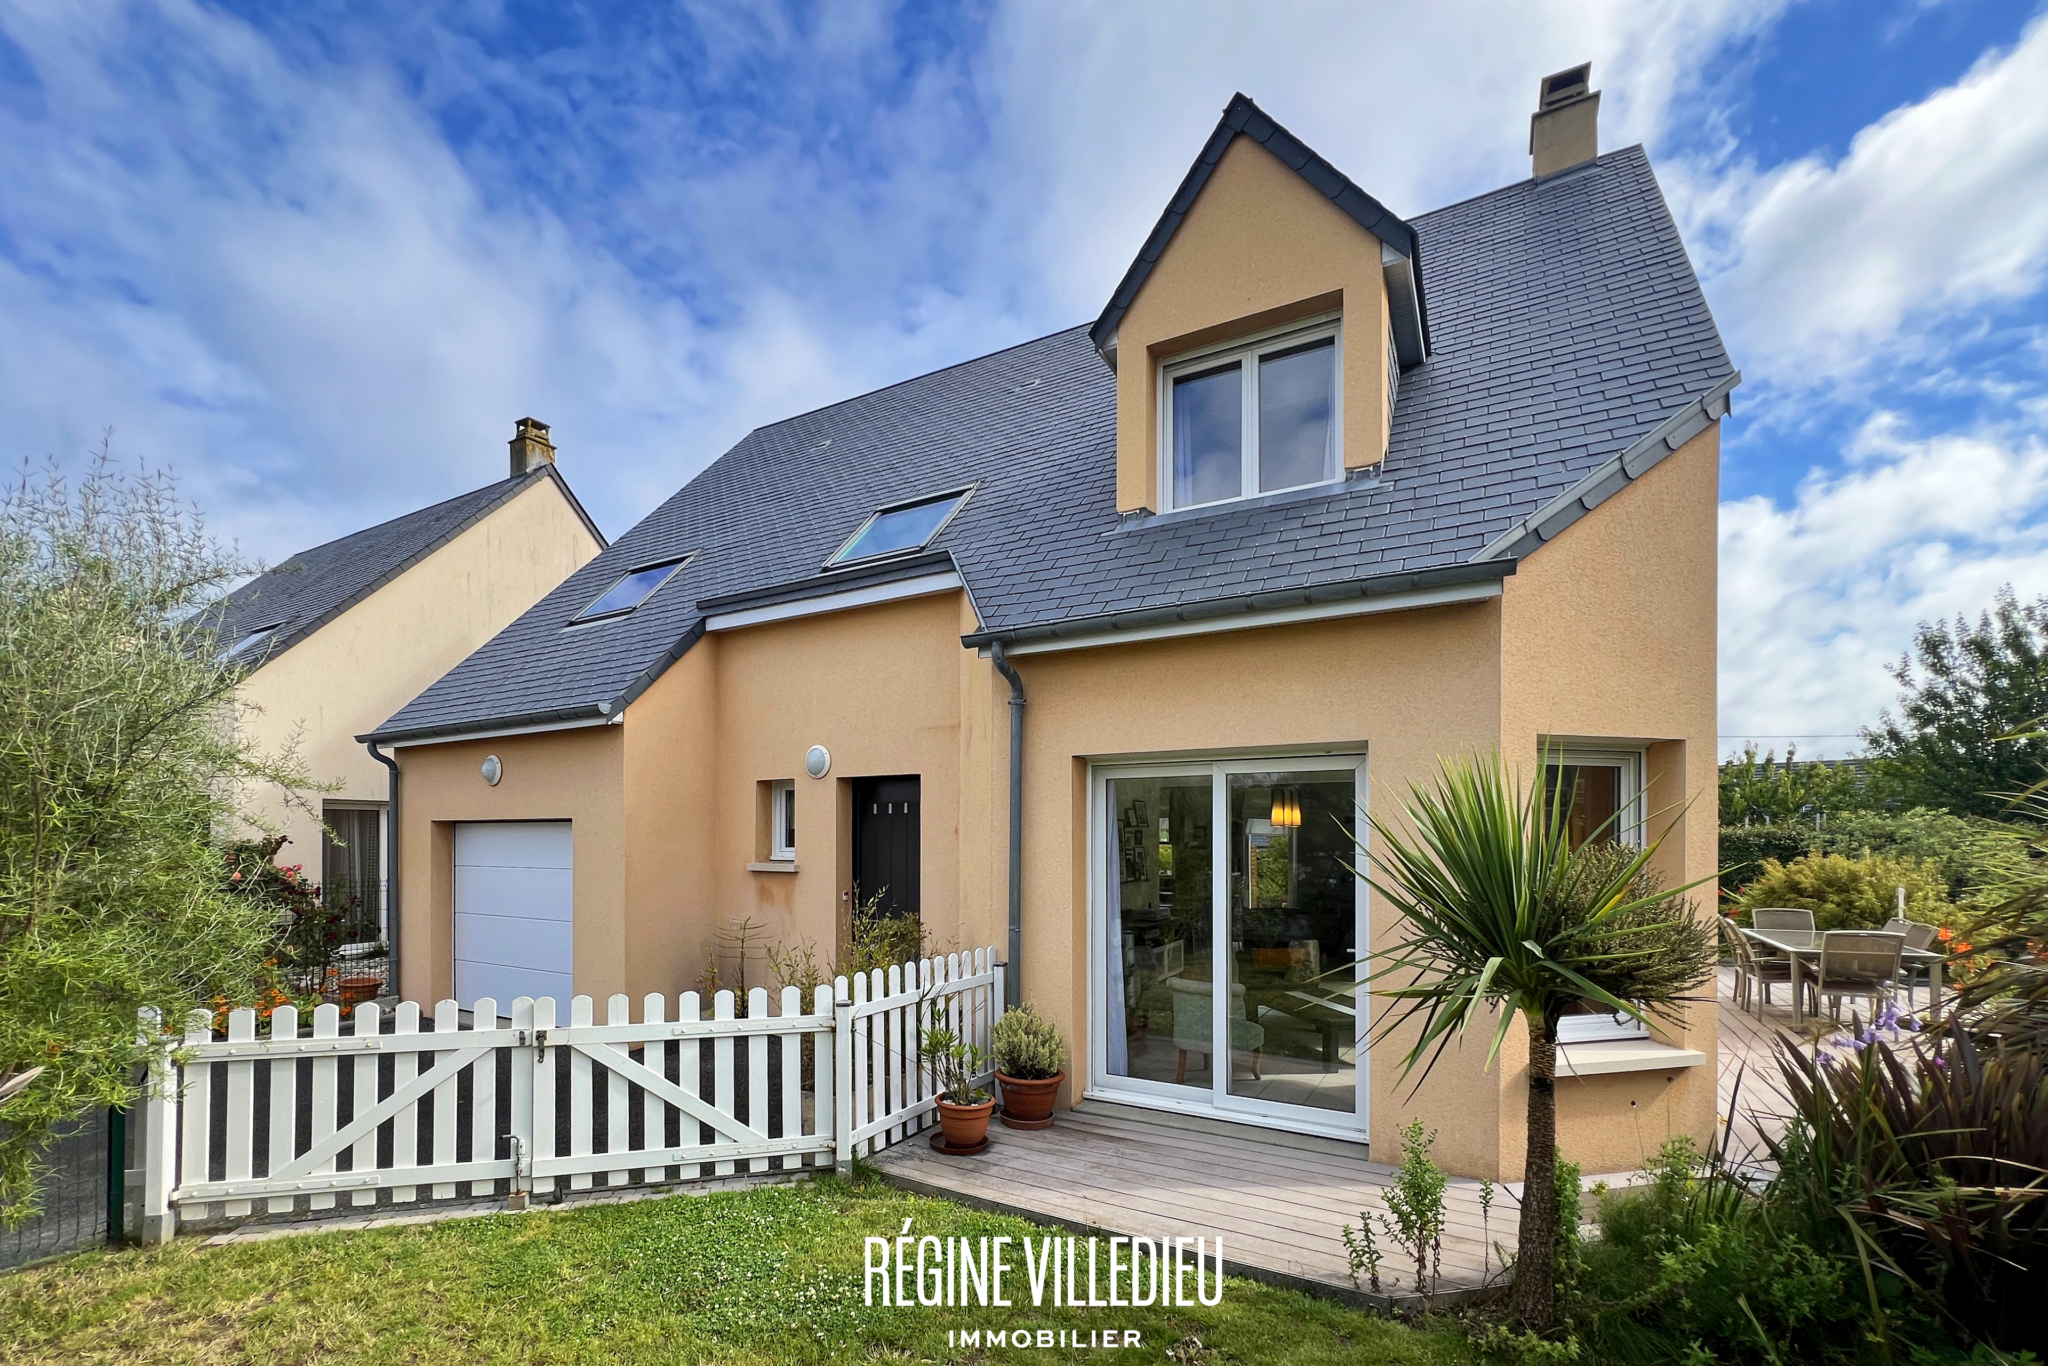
1365	478
1623	1055
773	866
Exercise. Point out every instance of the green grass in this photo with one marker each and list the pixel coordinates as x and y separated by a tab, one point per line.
767	1275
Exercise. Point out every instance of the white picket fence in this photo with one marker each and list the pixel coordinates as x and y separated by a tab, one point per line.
407	1108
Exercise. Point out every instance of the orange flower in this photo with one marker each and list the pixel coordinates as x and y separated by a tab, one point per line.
1963	947
1944	934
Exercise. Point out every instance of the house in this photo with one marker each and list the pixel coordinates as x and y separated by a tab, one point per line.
338	637
1094	647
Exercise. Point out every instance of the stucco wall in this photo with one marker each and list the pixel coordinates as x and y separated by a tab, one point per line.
1403	687
1259	248
352	674
881	689
1610	634
573	775
1607	632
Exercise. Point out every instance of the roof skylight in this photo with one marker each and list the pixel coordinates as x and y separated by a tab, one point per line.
252	641
899	529
632	588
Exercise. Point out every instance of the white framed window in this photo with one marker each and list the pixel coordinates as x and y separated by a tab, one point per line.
782	821
1606	793
1261	415
1603	800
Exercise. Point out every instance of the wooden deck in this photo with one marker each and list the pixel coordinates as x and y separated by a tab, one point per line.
1279	1201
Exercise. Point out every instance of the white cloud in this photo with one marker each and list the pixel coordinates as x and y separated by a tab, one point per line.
1817	598
279	268
1819	268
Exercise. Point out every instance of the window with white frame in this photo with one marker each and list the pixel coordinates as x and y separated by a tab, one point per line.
1254	417
782	821
1598	794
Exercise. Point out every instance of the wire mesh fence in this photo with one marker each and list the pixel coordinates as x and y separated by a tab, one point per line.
74	1193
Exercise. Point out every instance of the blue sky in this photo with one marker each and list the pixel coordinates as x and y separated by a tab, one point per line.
319	256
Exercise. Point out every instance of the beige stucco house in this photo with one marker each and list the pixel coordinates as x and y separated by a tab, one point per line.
1096	647
338	636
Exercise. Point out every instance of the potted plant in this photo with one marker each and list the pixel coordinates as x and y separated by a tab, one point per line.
1030	1057
963	1106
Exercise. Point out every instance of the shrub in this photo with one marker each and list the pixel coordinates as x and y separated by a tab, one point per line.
1932	1155
1026	1045
1745	847
1851	894
1692	1267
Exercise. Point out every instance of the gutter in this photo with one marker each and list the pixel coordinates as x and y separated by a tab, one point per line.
1245	608
391	856
1013	970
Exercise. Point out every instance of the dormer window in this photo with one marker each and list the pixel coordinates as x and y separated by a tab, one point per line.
900	529
631	589
1252	417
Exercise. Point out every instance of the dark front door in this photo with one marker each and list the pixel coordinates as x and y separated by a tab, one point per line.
885	845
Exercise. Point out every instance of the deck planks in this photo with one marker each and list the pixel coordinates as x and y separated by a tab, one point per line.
1279	1209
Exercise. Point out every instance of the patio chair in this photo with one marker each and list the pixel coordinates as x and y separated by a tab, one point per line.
1856	963
1751	971
1192	1013
1917	936
1781	918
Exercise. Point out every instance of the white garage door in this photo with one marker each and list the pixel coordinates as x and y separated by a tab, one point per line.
513	905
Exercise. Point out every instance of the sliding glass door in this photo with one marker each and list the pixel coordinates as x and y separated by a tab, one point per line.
1228	925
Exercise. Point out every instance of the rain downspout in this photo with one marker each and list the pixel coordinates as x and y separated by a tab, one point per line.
391	861
1012	975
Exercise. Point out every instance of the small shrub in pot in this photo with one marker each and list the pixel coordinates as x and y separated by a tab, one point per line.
1029	1057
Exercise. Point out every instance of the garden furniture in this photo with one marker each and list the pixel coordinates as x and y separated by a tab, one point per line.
1917	936
1752	971
1857	963
1803	948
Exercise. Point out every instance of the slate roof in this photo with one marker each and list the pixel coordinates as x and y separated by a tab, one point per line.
1571	349
315	586
1241	117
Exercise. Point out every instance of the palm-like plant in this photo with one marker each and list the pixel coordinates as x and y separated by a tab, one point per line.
1500	916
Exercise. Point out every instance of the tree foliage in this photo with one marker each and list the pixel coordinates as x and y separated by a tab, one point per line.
1963	689
1760	790
119	763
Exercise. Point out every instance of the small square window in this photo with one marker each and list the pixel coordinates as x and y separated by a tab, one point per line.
631	589
1251	419
782	821
901	529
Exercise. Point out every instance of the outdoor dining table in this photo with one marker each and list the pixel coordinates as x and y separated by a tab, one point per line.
1802	947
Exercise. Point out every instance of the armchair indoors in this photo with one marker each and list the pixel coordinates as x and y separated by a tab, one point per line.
1193	1025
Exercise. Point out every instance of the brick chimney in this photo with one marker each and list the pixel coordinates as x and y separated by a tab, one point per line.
1565	129
530	446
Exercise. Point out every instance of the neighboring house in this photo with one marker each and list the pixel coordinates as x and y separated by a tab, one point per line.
339	636
1322	496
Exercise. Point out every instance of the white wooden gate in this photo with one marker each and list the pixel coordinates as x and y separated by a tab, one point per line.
408	1108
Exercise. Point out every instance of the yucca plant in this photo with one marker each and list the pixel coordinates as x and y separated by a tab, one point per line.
1501	918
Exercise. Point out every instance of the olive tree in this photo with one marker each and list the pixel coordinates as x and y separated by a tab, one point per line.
120	765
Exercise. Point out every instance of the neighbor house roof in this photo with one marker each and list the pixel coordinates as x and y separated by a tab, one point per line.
315	586
1571	349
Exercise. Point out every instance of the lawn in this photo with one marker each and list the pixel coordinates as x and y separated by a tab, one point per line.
767	1275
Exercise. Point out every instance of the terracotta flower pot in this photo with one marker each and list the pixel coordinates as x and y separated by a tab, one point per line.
1027	1104
965	1126
356	990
